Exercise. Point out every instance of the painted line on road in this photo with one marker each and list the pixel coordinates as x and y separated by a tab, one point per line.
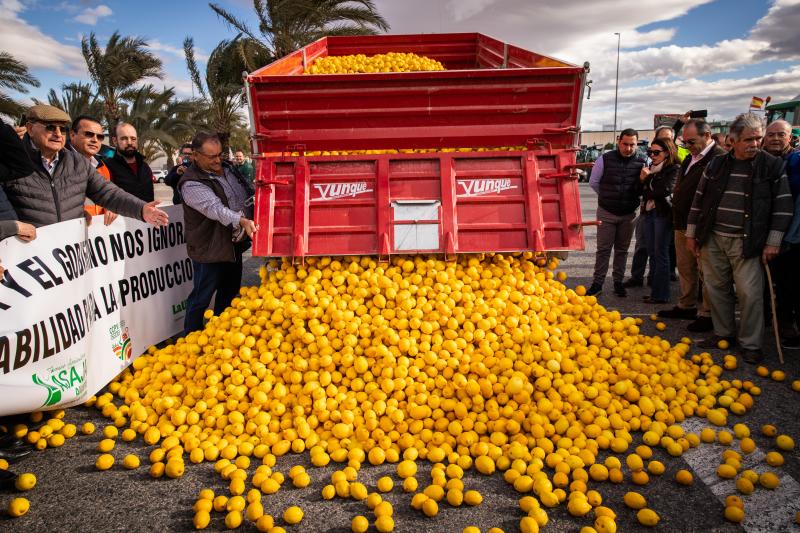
765	511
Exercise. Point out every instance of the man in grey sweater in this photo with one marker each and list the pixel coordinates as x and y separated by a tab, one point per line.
62	179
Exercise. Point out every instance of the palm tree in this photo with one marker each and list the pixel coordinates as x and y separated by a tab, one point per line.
286	25
117	69
161	120
221	96
14	75
76	99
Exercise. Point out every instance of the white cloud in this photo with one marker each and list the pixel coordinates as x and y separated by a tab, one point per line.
29	44
724	98
661	77
779	28
158	46
91	15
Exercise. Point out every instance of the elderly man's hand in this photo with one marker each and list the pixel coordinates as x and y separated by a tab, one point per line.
770	253
25	231
153	215
21	131
109	217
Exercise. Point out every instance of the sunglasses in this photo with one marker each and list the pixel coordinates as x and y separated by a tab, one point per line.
210	156
655	152
51	128
92	135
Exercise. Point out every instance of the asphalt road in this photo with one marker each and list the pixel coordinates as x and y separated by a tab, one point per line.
71	496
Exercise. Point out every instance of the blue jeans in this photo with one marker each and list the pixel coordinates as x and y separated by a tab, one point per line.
224	279
658	235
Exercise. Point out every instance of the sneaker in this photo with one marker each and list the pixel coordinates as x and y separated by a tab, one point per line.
752	357
712	343
689	313
633	282
619	290
701	325
595	290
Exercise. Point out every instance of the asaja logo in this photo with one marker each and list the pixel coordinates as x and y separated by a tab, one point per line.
482	186
334	191
58	380
121	341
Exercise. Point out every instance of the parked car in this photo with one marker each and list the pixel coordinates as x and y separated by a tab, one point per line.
159	176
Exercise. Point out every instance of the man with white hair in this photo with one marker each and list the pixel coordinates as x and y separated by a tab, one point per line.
777	141
741	209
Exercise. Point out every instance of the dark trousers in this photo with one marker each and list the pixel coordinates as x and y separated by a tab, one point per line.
658	235
640	255
787	288
224	279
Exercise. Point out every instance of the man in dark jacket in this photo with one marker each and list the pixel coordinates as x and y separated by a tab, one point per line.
62	179
14	163
215	197
703	149
176	173
615	179
129	170
740	211
777	141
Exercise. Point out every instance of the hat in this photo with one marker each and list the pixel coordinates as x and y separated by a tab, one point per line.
47	113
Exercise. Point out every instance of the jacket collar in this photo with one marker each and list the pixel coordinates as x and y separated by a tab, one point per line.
35	154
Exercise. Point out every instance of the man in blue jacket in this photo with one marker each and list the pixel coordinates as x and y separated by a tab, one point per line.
777	141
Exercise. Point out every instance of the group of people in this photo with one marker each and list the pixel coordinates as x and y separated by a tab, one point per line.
719	209
50	172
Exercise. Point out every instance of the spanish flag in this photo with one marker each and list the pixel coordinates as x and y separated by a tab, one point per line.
756	103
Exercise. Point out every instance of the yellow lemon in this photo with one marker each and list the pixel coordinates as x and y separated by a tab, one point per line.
25	481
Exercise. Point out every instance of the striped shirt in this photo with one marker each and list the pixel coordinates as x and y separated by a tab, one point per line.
781	206
200	197
732	206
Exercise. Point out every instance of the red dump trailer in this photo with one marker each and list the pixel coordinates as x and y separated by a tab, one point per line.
464	197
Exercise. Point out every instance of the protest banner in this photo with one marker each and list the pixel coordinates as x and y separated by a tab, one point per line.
79	304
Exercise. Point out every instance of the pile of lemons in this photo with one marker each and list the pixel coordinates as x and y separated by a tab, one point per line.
488	362
363	64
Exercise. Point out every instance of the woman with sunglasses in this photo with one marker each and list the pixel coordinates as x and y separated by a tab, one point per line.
657	181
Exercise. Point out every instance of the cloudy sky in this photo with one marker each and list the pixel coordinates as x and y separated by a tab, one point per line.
676	54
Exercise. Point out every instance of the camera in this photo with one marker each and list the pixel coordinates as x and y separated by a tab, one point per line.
702	113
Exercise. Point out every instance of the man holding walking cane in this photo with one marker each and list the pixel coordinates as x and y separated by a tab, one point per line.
741	209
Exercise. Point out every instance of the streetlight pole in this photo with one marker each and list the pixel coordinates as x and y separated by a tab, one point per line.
616	91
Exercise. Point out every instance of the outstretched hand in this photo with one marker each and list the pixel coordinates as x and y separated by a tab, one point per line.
153	215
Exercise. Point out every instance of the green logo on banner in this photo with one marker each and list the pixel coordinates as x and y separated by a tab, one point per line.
53	392
58	380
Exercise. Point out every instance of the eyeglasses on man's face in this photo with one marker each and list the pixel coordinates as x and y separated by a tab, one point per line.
92	135
52	128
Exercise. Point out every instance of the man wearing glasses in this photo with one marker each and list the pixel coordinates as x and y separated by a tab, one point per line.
62	179
215	198
87	138
702	149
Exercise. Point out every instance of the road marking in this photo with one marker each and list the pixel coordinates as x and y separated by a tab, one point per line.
765	511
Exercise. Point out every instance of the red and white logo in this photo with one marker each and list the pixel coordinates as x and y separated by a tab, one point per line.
481	187
334	191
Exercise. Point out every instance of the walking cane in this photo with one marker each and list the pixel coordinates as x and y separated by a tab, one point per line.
774	312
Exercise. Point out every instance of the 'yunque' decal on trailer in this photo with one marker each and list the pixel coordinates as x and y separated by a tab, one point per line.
333	191
480	187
